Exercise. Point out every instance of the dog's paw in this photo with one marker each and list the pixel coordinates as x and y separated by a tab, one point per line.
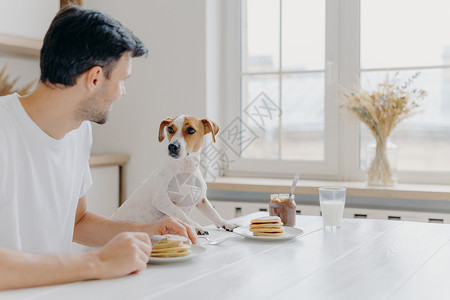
227	226
201	231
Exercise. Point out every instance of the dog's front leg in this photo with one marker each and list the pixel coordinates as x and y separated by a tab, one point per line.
170	209
208	210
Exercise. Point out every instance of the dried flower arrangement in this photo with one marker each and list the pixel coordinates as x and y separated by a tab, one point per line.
7	87
381	110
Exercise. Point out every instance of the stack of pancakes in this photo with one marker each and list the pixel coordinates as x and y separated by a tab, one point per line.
267	226
171	246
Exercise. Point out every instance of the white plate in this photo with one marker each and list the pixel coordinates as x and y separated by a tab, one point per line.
195	250
289	233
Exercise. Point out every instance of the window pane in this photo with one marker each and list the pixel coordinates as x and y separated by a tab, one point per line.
260	35
423	140
260	114
303	35
404	33
303	117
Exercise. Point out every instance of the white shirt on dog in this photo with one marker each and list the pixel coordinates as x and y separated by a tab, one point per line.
41	181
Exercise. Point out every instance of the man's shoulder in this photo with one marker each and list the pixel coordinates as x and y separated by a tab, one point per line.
7	101
7	109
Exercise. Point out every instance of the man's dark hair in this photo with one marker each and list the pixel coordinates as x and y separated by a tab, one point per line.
79	39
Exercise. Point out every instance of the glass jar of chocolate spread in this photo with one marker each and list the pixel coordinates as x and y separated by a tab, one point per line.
283	206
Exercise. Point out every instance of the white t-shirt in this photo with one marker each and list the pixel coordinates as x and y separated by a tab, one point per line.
41	180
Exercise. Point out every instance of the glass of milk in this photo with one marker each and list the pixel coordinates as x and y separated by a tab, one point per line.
332	202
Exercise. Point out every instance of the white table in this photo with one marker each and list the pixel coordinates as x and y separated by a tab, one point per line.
365	259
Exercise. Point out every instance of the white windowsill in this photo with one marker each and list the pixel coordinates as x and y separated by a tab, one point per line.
357	189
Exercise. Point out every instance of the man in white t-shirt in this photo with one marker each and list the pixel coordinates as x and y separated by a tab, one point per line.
45	142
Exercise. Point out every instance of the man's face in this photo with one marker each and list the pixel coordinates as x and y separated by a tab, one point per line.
97	107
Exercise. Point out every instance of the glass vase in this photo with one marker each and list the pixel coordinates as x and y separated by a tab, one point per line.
381	163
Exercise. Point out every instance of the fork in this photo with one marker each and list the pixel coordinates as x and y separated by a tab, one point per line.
213	242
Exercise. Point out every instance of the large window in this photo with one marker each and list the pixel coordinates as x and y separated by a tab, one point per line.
416	41
282	54
289	58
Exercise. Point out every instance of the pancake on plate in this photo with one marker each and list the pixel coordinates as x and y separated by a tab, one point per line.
267	226
170	246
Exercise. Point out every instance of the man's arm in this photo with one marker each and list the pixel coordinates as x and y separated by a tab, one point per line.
124	254
95	231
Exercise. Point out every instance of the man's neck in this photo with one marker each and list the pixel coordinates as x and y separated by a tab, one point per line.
52	109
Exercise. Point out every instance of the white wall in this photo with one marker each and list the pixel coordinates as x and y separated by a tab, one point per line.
215	53
28	18
170	82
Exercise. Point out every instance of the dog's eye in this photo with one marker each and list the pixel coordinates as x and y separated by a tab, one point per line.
190	130
170	129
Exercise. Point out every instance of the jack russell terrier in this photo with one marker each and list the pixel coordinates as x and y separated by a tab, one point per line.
178	185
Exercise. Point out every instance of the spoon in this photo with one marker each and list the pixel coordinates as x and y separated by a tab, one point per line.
294	183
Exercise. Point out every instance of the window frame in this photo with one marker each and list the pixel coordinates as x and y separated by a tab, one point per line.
342	68
327	168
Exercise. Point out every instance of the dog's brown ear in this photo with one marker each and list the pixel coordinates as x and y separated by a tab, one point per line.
212	127
163	125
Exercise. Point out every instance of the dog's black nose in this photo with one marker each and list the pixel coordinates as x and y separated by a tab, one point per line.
174	148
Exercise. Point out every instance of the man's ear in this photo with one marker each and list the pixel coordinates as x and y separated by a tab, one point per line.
93	77
212	127
163	125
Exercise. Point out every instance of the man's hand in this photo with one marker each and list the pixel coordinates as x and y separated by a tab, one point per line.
171	226
126	253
